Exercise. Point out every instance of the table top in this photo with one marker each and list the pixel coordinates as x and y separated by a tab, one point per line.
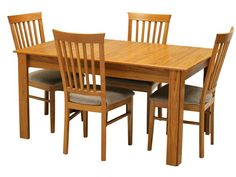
171	57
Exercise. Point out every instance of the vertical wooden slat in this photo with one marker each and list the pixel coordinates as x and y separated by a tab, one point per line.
67	64
86	66
154	32
26	34
143	31
215	57
72	65
149	30
79	67
137	26
30	33
130	22
219	63
41	31
35	32
159	33
21	35
93	66
166	29
15	36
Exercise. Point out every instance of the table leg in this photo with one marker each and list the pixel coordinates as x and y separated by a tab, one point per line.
23	96
175	119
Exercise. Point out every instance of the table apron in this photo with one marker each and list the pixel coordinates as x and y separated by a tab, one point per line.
112	69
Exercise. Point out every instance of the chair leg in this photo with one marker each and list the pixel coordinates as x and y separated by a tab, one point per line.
129	109
66	130
207	122
85	123
167	123
148	106
151	125
201	134
46	93
159	109
52	110
212	124
103	133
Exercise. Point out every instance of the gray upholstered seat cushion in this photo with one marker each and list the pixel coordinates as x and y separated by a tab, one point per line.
113	95
129	82
45	76
192	95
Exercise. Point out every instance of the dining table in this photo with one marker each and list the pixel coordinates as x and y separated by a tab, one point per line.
171	64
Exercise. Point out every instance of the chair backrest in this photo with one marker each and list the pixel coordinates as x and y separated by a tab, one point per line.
216	62
150	28
27	29
81	55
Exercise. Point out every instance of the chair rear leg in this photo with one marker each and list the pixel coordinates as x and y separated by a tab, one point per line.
212	124
201	134
129	109
66	130
52	110
46	96
148	107
159	109
151	125
207	122
103	133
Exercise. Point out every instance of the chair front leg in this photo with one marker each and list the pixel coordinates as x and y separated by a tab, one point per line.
85	123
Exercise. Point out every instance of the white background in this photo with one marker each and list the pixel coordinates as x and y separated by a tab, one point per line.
193	23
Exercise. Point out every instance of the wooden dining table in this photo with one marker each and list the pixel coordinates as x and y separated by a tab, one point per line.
131	60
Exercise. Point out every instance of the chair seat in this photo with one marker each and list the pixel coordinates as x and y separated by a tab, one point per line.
128	83
45	76
113	95
192	95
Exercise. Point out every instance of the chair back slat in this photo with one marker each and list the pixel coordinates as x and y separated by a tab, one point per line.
159	33
149	30
30	33
27	29
81	55
81	80
148	24
216	62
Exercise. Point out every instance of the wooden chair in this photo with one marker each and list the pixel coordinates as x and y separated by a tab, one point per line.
149	28
83	54
27	30
196	98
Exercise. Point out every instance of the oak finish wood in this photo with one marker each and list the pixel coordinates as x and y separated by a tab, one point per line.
148	28
77	54
155	63
27	31
205	109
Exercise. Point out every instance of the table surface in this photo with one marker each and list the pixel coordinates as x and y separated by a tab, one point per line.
171	57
